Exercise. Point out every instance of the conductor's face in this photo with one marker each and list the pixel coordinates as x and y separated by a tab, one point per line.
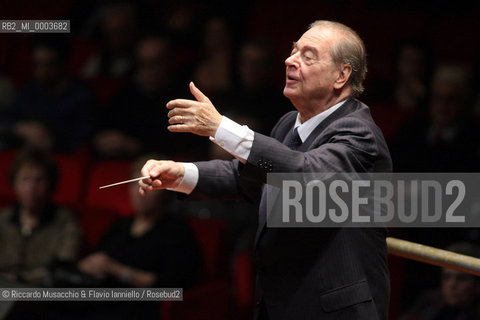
310	70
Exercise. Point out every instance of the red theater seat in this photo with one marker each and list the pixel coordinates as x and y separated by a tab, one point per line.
114	199
396	266
101	206
205	302
72	173
212	299
104	88
388	119
243	282
210	235
7	196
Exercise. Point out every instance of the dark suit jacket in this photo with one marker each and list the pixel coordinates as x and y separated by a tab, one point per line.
313	273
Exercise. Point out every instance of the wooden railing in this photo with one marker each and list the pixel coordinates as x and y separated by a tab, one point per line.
438	257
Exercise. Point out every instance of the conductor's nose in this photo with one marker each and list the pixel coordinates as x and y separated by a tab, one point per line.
292	60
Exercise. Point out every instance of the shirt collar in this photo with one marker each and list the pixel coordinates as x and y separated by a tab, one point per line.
306	128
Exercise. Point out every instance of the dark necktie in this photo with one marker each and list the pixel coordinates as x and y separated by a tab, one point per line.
294	142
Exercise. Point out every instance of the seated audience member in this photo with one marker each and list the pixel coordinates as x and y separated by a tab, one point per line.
34	233
150	249
119	24
53	111
130	125
409	89
458	297
447	139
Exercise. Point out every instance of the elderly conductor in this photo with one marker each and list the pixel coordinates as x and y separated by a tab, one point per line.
302	273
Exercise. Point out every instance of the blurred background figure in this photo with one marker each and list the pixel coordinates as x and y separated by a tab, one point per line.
213	72
255	65
35	232
414	66
53	111
458	297
118	35
181	22
409	87
447	139
129	126
254	94
125	128
403	92
150	249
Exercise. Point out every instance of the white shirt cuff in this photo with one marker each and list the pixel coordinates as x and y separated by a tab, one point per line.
234	138
190	179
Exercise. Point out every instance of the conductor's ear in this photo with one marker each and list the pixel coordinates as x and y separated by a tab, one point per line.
344	72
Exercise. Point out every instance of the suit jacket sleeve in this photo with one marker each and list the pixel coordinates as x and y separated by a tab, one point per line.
347	145
221	179
350	143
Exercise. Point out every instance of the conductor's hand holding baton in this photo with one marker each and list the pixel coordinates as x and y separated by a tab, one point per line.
199	117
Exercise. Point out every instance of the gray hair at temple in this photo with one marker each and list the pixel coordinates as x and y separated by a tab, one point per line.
349	49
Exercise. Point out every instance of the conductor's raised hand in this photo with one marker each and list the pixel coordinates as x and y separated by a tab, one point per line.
199	117
163	174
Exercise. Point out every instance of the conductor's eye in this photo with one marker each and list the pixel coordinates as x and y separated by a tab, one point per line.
308	57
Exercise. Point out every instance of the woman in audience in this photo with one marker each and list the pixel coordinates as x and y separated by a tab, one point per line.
147	250
34	233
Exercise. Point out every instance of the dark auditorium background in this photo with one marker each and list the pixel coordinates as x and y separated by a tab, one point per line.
94	99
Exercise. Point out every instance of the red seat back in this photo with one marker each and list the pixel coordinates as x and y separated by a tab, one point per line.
116	198
7	196
210	235
72	178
